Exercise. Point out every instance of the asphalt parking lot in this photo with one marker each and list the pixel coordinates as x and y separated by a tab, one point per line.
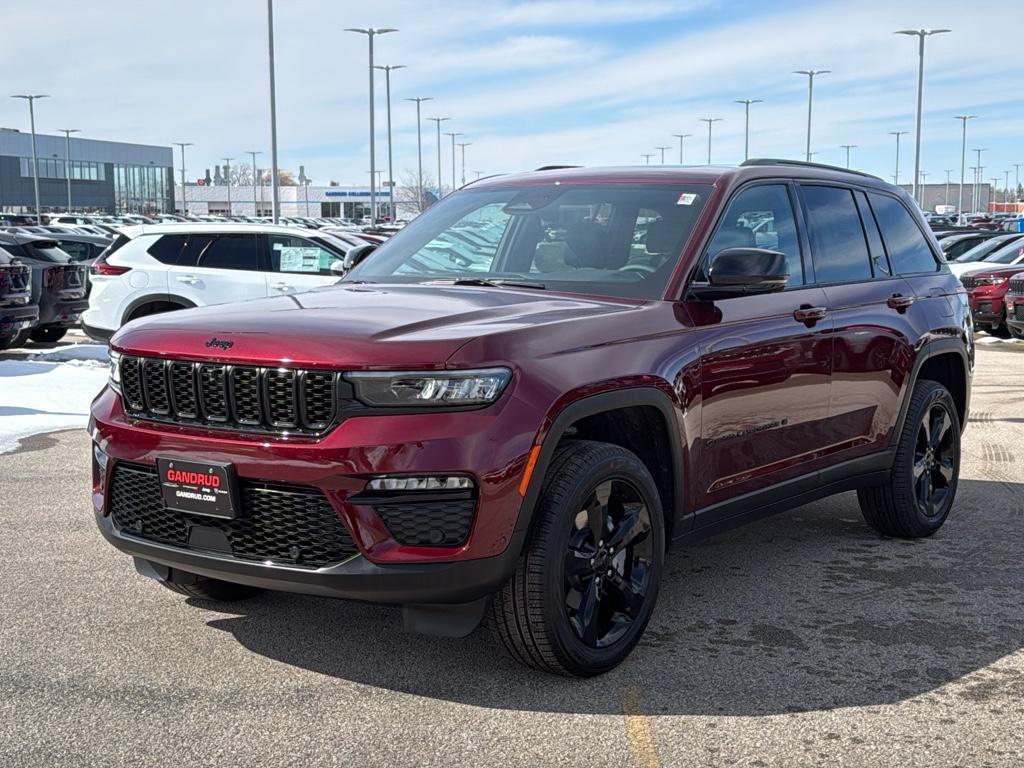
805	639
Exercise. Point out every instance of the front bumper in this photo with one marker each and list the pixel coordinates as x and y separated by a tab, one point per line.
355	579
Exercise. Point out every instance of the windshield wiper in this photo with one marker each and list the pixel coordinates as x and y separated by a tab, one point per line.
500	283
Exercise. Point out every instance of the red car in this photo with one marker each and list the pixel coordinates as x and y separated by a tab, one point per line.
1014	301
988	288
512	407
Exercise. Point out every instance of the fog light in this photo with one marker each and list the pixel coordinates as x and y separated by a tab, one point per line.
422	483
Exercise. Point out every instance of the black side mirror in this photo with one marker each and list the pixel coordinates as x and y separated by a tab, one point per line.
743	272
356	255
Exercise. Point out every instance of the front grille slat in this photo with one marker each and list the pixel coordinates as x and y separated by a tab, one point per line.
237	397
288	524
969	282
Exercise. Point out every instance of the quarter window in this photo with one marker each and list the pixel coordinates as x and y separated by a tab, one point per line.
908	248
838	245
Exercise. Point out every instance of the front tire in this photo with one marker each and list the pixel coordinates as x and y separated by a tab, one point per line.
916	500
587	580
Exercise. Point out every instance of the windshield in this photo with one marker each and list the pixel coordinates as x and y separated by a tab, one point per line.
981	251
1011	254
609	239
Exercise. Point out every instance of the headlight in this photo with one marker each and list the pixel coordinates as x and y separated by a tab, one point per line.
115	370
991	280
429	388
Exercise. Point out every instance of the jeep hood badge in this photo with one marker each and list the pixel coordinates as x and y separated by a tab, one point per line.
222	344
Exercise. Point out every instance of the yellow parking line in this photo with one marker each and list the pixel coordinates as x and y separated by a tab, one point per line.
638	731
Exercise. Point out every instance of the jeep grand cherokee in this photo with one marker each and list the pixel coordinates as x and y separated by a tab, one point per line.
511	408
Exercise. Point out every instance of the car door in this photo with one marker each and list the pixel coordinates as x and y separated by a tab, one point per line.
298	264
869	305
765	362
218	268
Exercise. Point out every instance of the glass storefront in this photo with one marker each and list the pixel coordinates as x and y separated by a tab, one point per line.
54	168
142	189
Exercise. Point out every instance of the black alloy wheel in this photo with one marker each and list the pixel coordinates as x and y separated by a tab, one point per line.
934	459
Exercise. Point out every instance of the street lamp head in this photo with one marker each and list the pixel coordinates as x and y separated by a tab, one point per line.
371	31
389	67
812	72
420	98
30	96
439	120
964	117
921	32
69	130
747	101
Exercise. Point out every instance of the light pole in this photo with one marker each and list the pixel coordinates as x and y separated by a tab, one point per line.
897	134
993	199
746	124
920	34
974	187
227	179
438	121
946	198
1006	187
924	177
647	157
419	151
370	33
453	135
275	198
847	147
811	74
67	159
963	163
391	168
978	170
681	136
710	121
31	98
462	146
662	150
183	144
1016	183
255	174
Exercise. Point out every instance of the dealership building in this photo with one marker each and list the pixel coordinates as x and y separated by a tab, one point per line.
305	200
106	176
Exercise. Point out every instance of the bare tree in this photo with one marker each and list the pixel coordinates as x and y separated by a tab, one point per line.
284	178
406	192
241	175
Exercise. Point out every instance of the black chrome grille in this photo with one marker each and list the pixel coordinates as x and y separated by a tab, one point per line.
433	523
281	523
1018	311
1017	286
245	398
969	282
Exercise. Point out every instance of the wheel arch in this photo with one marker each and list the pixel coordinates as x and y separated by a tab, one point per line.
155	298
945	361
622	411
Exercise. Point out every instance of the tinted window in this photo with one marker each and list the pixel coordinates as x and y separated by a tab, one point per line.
1009	254
77	251
297	254
838	247
879	262
960	247
908	249
762	217
225	251
164	249
50	253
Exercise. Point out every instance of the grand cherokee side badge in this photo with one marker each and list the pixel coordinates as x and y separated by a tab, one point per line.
223	344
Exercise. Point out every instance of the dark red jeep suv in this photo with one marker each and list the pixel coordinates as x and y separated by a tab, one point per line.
511	408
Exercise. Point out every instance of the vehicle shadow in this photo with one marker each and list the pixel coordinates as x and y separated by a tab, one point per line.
808	610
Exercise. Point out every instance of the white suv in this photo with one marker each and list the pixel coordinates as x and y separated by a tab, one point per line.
157	268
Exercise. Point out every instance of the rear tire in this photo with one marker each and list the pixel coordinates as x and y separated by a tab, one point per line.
48	335
20	340
916	500
587	581
1016	332
213	589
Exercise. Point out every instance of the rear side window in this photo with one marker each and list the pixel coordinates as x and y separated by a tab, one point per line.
838	245
164	249
877	250
908	249
220	251
77	251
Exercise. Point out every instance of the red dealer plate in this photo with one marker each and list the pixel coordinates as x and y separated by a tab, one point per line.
198	487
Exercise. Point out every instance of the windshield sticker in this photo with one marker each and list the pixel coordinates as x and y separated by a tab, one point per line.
687	198
297	259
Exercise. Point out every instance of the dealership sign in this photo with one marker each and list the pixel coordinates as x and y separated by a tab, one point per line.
356	193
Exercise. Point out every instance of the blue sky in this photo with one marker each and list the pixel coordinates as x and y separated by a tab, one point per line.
528	83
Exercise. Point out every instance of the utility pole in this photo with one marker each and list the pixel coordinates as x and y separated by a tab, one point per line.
453	135
183	144
662	150
391	167
67	158
897	134
746	124
811	74
370	33
31	98
847	147
963	163
920	34
681	136
438	121
710	121
462	146
419	151
274	191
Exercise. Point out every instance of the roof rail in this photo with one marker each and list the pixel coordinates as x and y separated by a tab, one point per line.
556	167
804	164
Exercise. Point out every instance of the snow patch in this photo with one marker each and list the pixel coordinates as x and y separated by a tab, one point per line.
83	352
39	396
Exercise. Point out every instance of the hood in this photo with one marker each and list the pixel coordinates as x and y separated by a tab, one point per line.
1000	271
354	326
